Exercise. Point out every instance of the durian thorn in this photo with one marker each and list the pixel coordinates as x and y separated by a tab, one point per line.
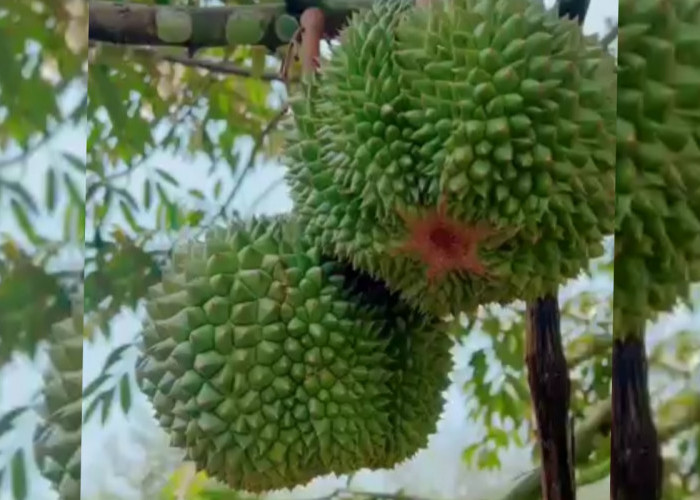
442	205
407	218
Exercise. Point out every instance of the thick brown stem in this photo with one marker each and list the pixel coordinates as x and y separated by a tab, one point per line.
550	389
135	24
312	24
636	465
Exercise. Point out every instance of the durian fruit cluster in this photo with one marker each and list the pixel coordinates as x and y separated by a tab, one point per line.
463	153
441	159
657	237
272	364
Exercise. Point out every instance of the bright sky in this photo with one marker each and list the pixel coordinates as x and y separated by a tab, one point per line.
113	452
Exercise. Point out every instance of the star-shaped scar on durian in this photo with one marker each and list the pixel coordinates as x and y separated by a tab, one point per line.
443	243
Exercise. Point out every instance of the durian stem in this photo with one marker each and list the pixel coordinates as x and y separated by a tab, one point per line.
312	24
636	465
598	421
574	9
550	389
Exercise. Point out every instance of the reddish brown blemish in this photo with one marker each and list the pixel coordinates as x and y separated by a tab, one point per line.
443	243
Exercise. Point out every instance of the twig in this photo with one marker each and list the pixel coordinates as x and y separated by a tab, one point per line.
24	155
609	37
211	65
220	67
251	159
266	192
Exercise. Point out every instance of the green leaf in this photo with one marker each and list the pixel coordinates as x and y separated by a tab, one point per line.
196	193
194	218
7	419
468	453
102	84
19	475
258	56
162	195
127	197
95	384
147	194
67	221
115	356
217	189
91	408
73	191
77	163
20	192
173	216
23	221
125	393
167	177
129	216
107	398
51	189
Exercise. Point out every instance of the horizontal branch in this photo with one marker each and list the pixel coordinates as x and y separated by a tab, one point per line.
220	67
269	25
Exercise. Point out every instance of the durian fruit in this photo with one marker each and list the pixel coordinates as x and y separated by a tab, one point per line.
271	365
657	237
57	443
463	153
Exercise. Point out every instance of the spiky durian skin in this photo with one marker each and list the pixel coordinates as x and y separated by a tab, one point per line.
57	443
657	237
498	108
271	365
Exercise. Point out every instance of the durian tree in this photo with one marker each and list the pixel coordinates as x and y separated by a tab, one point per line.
120	208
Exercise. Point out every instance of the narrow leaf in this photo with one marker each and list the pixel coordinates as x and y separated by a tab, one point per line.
196	193
147	194
51	189
73	191
91	408
167	177
115	356
23	221
125	393
19	476
95	384
8	419
129	216
107	398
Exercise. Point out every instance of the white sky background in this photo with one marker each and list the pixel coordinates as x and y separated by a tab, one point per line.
113	453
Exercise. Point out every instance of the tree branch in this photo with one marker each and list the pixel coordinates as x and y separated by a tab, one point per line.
221	67
271	125
678	414
136	24
211	65
609	37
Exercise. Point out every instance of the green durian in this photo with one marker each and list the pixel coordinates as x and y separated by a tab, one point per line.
271	365
57	442
657	235
463	153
